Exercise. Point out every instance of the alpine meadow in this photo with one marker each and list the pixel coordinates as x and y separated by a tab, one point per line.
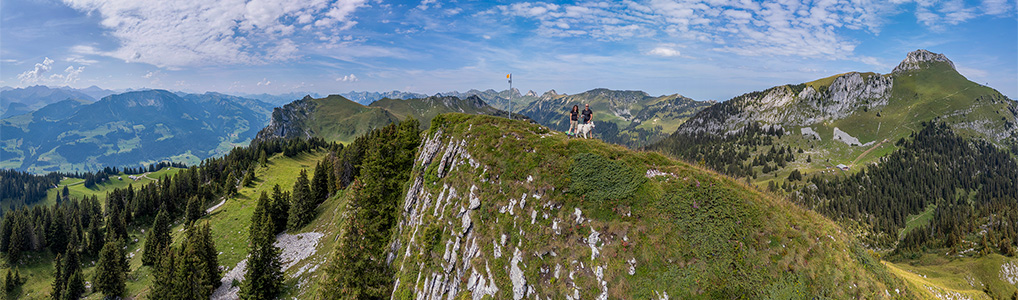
441	149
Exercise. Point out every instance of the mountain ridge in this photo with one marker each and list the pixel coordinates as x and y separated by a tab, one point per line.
127	129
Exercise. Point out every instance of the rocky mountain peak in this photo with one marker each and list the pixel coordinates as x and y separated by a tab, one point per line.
918	59
550	93
531	93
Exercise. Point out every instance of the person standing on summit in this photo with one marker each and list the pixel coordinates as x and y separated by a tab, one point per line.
587	114
587	127
574	118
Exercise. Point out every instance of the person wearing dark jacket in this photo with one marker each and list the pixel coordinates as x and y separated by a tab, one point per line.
587	128
587	114
573	119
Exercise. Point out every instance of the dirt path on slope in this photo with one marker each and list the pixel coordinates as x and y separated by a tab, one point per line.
867	152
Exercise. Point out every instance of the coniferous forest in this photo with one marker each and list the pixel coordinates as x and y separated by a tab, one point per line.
971	185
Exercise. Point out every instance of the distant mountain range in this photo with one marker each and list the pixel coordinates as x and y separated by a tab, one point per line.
336	118
129	129
631	118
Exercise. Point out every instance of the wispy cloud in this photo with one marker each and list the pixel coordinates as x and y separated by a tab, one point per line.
80	60
800	28
265	82
198	32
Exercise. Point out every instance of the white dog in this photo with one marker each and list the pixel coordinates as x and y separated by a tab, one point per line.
585	130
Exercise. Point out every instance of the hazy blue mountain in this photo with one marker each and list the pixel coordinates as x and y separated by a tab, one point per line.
280	99
366	98
129	129
35	97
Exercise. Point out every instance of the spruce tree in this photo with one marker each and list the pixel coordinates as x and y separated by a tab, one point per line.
320	184
190	278
158	239
264	278
280	208
58	279
95	240
109	272
206	248
58	232
194	209
75	286
163	283
301	203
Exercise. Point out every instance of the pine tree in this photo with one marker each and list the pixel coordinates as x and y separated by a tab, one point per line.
19	238
163	283
109	272
320	184
75	286
9	282
248	177
58	232
194	209
158	239
301	203
280	208
190	278
58	278
95	238
358	269
206	248
264	276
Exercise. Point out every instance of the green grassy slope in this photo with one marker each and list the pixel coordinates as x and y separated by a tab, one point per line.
229	223
937	277
335	118
425	109
339	119
934	92
690	232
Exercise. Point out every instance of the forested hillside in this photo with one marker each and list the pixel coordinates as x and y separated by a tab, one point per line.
403	213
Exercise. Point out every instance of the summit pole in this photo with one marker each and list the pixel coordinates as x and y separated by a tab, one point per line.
510	110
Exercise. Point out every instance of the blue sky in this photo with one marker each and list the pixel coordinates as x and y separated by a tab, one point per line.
711	49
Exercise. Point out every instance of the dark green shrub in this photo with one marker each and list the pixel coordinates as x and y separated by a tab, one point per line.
599	179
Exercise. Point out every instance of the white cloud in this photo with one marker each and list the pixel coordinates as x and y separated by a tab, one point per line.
803	28
664	51
72	75
199	32
265	82
36	74
347	78
996	7
151	74
74	58
425	4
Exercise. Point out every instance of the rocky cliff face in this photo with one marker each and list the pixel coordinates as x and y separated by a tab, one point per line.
919	59
492	211
783	106
290	121
847	95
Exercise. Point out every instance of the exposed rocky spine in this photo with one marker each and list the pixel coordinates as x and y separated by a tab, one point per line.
290	121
